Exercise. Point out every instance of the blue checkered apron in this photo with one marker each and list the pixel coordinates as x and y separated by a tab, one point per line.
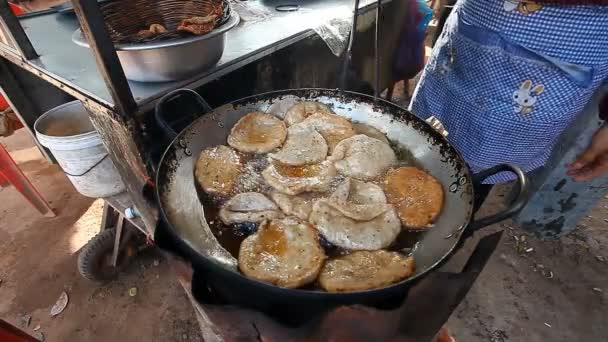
506	78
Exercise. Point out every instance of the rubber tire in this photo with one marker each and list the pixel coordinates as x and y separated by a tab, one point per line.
90	257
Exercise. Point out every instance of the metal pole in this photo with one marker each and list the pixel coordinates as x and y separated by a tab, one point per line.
377	51
93	27
348	54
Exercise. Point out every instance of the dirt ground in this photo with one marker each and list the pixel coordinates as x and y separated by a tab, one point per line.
557	291
38	261
534	290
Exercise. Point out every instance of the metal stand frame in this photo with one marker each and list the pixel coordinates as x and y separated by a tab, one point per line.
113	217
116	126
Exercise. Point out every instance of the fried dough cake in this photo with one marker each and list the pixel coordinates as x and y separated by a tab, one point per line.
303	146
362	157
249	207
364	224
283	252
417	196
217	170
294	180
364	270
257	132
370	131
292	205
300	111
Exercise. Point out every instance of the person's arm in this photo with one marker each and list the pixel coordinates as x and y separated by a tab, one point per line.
593	162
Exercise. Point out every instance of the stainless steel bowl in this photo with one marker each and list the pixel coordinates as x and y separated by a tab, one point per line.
170	60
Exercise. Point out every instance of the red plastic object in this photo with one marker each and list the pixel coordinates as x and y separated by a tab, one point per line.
11	175
9	333
17	10
3	103
4	106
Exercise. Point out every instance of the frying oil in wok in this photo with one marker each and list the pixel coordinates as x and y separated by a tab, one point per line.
251	180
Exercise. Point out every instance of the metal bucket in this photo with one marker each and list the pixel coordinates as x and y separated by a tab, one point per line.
170	60
69	134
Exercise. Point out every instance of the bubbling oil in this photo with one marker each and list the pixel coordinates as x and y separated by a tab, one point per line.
251	180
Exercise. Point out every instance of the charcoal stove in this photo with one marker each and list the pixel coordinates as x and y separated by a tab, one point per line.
419	317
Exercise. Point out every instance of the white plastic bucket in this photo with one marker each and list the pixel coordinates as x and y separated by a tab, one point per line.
68	133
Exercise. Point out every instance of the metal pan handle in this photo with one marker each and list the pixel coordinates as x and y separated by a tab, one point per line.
169	132
518	203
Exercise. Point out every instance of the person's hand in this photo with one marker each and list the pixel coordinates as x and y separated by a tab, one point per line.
593	162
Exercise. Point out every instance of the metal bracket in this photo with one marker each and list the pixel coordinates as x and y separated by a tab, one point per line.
437	125
117	238
458	230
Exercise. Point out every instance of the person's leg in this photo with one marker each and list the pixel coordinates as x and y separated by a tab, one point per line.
444	13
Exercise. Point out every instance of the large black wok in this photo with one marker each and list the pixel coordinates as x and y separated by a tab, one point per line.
184	222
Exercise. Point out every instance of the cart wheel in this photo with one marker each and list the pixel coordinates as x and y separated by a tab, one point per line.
95	259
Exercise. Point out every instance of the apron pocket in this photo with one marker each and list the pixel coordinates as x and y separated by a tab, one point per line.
513	102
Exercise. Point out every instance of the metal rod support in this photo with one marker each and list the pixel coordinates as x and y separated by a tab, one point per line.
377	51
117	238
348	54
93	27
